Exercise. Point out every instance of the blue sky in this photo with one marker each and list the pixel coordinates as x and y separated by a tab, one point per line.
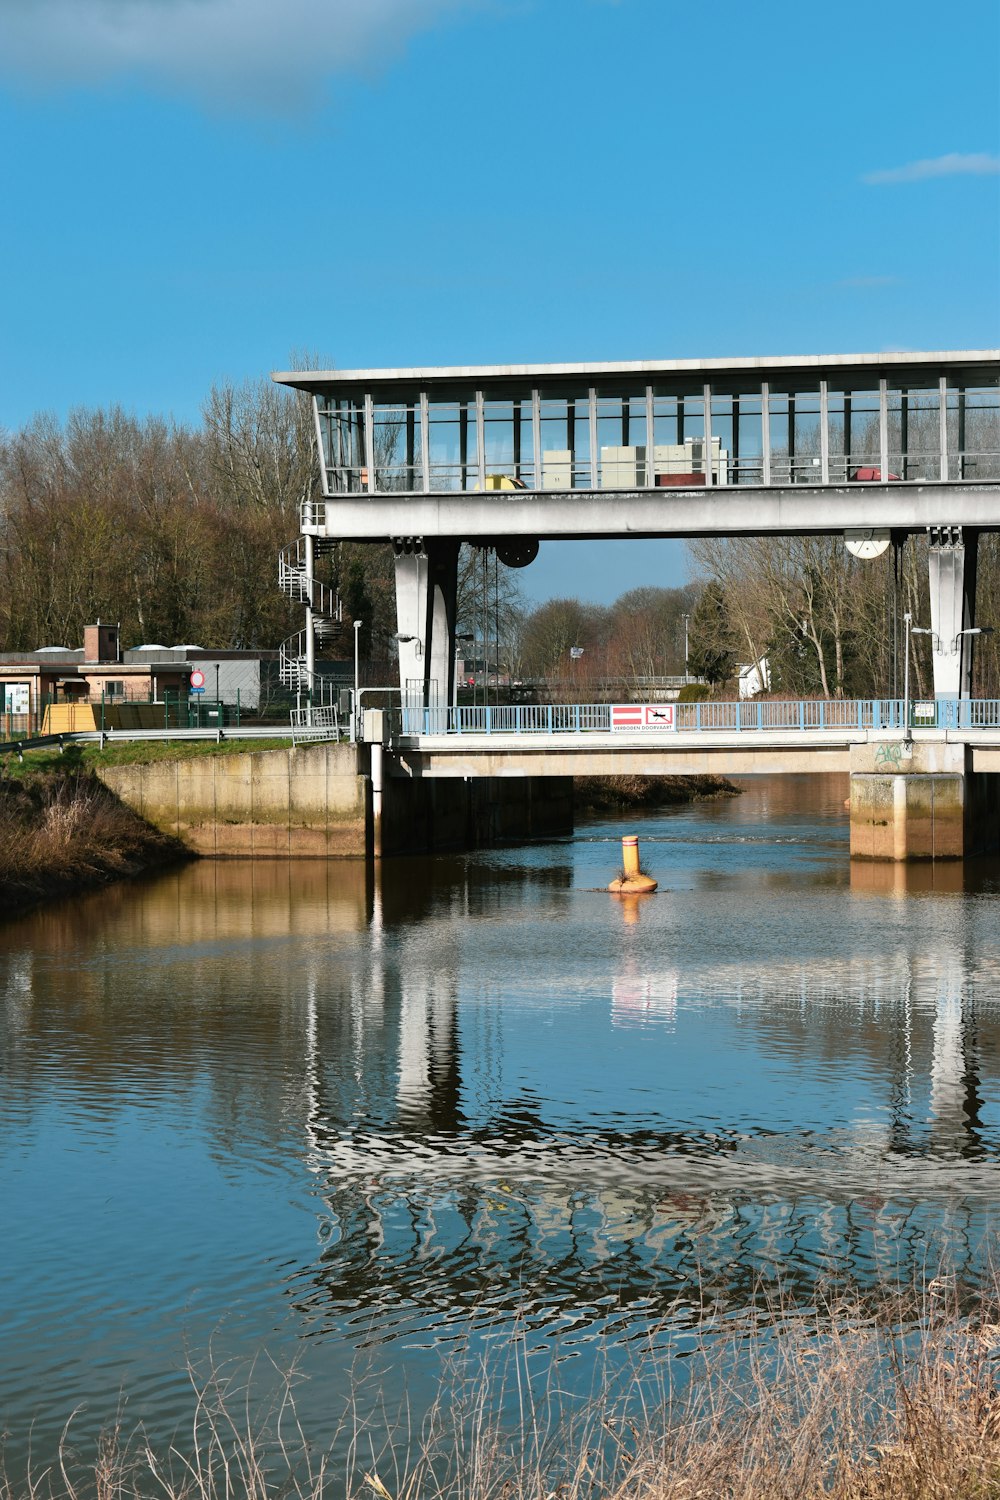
193	189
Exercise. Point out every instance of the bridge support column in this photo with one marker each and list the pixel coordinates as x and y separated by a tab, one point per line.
920	800
426	589
952	565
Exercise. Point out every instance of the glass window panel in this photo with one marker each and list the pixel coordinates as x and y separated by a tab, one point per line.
678	438
794	417
581	443
451	445
855	443
396	435
667	420
621	439
725	418
498	427
557	443
524	454
974	432
342	435
745	459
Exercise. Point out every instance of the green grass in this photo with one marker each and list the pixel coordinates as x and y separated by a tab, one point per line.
127	753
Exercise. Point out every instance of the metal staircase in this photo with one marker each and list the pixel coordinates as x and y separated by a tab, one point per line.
297	584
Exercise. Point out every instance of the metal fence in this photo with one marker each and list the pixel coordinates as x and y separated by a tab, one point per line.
736	717
312	724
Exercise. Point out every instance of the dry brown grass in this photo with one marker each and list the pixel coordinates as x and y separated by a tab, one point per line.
63	832
842	1406
606	792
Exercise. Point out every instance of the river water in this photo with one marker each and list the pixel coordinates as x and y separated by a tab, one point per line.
367	1124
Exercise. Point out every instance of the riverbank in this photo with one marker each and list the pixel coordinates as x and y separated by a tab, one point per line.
605	793
63	831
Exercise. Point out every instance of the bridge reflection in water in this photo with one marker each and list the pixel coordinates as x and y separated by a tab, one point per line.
444	1192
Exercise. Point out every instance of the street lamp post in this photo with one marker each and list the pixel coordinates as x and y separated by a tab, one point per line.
685	619
936	644
907	623
354	707
461	638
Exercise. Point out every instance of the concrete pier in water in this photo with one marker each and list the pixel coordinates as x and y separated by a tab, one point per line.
921	800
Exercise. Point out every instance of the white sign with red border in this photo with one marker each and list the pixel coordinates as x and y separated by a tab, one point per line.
643	716
197	678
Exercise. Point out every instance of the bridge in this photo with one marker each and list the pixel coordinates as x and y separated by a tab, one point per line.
874	447
924	776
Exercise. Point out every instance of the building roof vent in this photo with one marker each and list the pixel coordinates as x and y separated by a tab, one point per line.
151	648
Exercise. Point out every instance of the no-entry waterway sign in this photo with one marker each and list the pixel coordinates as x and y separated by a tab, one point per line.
643	716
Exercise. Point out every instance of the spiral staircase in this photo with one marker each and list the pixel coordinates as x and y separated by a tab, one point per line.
297	584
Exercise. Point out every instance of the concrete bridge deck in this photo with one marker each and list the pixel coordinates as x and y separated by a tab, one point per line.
732	739
712	753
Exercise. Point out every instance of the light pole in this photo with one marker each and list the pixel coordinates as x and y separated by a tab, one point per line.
935	642
685	618
907	622
460	637
354	714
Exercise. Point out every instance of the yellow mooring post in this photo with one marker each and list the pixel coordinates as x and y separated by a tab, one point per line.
631	881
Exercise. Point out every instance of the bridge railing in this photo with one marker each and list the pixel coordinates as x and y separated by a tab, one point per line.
752	715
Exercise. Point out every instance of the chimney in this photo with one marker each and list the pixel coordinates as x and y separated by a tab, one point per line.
100	643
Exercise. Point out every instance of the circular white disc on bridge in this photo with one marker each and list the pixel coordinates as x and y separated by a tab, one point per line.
867	544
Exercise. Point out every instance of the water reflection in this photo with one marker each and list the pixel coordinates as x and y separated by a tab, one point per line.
351	1108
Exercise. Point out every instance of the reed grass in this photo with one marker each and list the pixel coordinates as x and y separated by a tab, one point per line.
66	831
601	793
845	1404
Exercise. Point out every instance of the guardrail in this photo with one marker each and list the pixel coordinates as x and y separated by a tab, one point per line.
807	714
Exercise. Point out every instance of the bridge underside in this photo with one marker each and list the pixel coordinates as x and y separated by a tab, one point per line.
722	510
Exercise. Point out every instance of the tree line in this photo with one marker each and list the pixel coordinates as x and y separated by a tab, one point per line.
172	529
830	625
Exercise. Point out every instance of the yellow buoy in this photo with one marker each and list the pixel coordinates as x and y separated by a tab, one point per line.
631	881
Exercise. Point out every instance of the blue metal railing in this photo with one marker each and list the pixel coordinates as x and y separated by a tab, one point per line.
742	717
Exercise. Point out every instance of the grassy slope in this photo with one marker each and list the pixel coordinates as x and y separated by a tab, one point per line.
129	753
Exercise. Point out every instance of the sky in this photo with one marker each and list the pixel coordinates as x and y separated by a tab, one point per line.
203	190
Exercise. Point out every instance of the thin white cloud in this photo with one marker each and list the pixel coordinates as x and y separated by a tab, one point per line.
275	55
955	164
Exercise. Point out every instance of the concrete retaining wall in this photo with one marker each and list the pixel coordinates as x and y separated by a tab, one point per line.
310	801
316	801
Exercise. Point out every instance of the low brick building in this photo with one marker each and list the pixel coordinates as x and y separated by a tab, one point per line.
58	680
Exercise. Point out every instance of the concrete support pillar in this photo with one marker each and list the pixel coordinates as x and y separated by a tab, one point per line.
952	565
918	800
310	566
426	589
377	773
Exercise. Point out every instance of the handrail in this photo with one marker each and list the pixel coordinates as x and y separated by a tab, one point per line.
744	716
